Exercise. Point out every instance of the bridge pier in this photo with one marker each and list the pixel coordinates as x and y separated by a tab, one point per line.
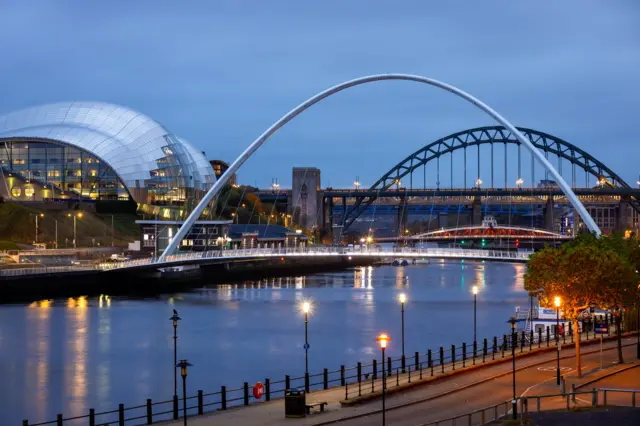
548	214
403	216
623	215
476	210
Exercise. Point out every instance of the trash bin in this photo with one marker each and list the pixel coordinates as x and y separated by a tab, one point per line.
295	401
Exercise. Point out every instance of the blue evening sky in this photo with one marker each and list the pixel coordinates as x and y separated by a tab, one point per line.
220	72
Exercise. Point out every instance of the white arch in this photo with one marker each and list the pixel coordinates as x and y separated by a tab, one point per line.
588	220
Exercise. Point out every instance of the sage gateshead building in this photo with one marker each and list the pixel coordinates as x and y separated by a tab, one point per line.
92	152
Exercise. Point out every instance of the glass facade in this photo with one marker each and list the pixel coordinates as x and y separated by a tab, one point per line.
100	151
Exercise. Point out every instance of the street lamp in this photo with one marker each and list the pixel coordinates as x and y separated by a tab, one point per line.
356	183
79	216
474	289
557	302
478	182
383	339
402	298
37	217
183	372
514	402
306	307
519	182
175	318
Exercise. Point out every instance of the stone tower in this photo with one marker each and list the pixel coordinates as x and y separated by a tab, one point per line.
305	203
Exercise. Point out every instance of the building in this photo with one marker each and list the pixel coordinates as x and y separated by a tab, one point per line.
155	236
219	168
92	151
306	199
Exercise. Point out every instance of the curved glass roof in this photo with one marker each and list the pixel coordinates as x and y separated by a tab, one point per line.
140	150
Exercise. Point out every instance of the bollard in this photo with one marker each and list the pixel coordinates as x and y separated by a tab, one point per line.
374	369
149	412
464	355
267	389
200	403
59	420
92	417
359	371
120	414
342	381
223	396
175	407
246	393
453	357
326	378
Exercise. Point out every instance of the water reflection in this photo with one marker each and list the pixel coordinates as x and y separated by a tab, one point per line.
74	354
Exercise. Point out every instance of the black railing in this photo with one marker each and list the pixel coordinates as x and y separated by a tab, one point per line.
358	380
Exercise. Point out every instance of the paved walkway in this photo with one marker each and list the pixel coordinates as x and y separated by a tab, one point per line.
454	395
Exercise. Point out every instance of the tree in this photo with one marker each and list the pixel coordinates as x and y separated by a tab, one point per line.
580	273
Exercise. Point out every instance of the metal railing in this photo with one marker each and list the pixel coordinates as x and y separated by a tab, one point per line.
18	272
358	380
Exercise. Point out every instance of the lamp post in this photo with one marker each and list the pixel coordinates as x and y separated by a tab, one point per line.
514	402
474	289
383	339
306	307
519	182
175	318
557	302
77	215
183	372
37	217
402	298
356	183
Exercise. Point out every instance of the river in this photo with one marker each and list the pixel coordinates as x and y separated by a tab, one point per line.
66	356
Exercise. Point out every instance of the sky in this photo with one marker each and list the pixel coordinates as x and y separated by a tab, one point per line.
219	73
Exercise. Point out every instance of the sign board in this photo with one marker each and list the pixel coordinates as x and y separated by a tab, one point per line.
258	390
601	328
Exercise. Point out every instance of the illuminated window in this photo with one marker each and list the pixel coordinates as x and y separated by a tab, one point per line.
16	191
78	160
29	191
53	173
89	160
18	161
78	173
93	173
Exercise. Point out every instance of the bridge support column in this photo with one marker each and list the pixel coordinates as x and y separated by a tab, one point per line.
548	214
476	211
623	215
327	220
403	217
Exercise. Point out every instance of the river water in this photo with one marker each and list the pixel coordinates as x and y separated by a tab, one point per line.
66	356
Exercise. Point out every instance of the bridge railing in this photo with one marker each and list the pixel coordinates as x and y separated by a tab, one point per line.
18	272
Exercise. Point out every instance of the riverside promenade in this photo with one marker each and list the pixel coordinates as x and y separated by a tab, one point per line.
452	393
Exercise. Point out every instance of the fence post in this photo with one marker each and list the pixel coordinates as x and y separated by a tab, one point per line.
120	414
59	420
346	391
175	407
389	365
522	337
92	417
342	382
25	423
495	347
547	336
539	337
604	398
267	389
571	331
246	393
453	357
442	358
374	369
573	392
326	378
484	349
397	377
200	402
464	354
594	398
633	399
359	371
287	382
223	397
530	340
417	360
475	351
504	344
